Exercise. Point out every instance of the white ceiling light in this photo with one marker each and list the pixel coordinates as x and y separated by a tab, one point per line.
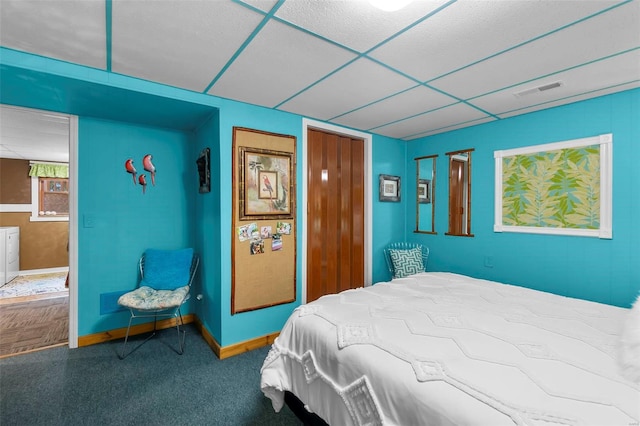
389	5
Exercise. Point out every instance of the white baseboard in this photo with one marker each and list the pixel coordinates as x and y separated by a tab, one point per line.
44	271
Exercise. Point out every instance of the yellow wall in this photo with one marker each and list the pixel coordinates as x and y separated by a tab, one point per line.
42	244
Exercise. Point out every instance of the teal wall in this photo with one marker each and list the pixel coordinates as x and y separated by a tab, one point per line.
208	234
589	268
116	221
121	117
248	325
389	223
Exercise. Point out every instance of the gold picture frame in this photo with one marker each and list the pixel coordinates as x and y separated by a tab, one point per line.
266	184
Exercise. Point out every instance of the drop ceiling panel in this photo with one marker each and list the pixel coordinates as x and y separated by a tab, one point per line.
73	30
278	63
360	83
356	23
611	32
452	127
466	32
451	115
183	44
597	75
412	102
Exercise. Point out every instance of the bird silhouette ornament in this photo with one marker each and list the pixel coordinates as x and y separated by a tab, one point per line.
128	165
142	179
148	166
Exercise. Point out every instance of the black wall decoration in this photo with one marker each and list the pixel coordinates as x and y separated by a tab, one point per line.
204	171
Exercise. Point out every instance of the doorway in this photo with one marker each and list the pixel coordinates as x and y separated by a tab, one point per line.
46	315
335	218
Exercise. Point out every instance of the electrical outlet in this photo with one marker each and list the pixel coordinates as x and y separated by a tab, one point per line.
488	261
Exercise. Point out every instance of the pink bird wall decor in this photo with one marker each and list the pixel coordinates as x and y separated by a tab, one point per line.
143	181
128	165
148	166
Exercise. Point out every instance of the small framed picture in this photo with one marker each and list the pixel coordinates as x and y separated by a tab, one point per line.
389	188
424	191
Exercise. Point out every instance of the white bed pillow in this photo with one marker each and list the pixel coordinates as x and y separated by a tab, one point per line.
629	349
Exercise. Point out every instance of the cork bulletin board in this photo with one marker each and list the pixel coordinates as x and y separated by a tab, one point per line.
263	248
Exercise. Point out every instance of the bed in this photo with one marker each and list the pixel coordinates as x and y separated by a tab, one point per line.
445	349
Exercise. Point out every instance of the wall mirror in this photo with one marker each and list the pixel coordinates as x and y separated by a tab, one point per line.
425	194
460	193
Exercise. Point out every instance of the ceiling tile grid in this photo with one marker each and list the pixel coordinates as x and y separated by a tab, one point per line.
609	33
469	31
409	103
433	66
278	63
361	82
594	76
353	24
437	119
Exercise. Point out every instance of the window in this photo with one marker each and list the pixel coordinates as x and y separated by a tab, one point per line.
53	197
49	192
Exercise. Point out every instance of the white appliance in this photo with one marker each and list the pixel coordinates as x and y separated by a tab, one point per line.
9	253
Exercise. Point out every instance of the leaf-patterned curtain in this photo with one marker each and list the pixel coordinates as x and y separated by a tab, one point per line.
49	170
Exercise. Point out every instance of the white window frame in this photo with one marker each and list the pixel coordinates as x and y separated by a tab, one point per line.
35	205
606	187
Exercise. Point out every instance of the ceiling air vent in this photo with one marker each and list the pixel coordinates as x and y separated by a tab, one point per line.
538	89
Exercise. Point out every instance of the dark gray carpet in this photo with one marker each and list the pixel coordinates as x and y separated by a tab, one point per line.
152	386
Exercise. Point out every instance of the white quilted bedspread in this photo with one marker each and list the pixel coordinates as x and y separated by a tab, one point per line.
445	349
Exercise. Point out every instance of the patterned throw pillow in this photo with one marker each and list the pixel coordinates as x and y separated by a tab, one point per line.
406	262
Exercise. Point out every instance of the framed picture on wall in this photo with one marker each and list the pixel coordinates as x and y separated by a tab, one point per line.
558	188
266	188
424	191
389	188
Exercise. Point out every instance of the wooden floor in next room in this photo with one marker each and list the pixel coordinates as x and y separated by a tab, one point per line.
34	313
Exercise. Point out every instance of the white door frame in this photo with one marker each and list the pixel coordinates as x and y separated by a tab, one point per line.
368	197
73	216
73	231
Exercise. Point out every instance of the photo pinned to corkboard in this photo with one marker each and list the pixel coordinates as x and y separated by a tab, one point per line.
263	257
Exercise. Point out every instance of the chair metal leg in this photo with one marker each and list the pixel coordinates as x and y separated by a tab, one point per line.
123	355
181	339
179	328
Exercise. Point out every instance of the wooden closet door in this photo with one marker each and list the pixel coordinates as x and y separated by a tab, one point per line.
335	213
